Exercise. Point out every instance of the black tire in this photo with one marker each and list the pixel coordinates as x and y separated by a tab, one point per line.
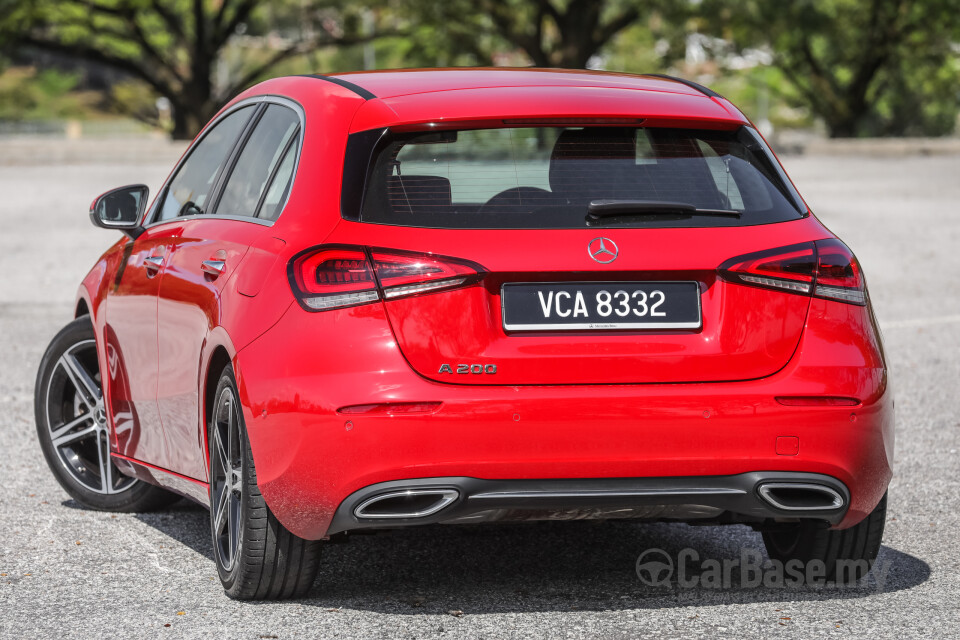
855	547
72	427
256	556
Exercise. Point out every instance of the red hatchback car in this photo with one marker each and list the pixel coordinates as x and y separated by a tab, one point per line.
387	299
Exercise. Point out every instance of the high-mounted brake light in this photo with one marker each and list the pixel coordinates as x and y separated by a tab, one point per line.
334	277
824	269
574	122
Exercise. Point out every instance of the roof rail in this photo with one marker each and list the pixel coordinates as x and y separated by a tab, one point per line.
690	83
360	91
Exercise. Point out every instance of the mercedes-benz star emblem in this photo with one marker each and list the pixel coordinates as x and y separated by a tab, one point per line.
603	250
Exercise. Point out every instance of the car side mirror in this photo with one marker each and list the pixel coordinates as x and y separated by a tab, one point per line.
121	209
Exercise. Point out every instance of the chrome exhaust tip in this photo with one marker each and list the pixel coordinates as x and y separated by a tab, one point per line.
411	503
797	496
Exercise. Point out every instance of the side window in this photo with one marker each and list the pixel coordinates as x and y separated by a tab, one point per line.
189	190
264	152
279	186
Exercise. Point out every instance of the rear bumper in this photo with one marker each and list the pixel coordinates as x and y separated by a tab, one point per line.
311	459
748	497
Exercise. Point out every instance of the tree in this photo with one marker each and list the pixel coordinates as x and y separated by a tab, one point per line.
173	46
14	18
558	35
850	61
550	33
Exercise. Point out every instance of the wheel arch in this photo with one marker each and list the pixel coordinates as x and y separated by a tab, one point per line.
218	352
83	304
219	360
93	290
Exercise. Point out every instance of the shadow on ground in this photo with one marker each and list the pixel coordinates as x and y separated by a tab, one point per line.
534	567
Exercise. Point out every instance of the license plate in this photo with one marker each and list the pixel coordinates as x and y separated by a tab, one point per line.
550	306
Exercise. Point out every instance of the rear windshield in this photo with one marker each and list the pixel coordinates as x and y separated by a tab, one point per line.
575	177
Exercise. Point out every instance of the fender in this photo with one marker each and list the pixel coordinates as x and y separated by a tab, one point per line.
218	351
90	297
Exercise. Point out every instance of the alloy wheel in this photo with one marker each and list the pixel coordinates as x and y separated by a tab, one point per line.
226	478
77	421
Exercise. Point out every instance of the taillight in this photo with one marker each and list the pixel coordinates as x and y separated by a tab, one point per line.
333	277
824	269
838	274
788	268
407	274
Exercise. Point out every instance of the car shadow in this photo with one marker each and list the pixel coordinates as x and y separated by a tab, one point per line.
184	521
539	566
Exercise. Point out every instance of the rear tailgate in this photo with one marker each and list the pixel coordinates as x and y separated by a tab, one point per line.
458	336
606	222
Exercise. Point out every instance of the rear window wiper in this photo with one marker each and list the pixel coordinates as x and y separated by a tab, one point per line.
598	209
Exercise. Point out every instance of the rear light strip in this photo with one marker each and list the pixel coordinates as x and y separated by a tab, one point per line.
842	294
338	276
789	285
413	289
827	268
323	303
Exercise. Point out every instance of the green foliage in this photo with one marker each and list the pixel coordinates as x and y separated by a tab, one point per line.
922	100
645	47
860	65
174	47
135	100
759	91
545	33
863	67
15	16
26	94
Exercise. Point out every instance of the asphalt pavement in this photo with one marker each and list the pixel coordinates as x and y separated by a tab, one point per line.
70	573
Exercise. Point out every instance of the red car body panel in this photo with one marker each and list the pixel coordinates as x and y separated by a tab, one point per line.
656	108
664	404
551	431
723	349
190	304
130	327
401	82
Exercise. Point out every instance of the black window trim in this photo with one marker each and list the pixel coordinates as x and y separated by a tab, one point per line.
707	91
362	148
259	104
346	84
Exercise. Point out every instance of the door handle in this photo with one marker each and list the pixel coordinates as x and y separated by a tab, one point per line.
213	267
153	263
